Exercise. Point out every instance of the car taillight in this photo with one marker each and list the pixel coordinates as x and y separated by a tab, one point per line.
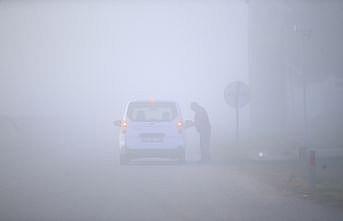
124	125
179	125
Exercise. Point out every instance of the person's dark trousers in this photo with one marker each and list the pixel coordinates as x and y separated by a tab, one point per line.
205	145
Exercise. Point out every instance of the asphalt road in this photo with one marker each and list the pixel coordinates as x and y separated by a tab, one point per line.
58	186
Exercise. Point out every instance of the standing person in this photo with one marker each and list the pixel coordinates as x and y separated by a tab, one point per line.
203	126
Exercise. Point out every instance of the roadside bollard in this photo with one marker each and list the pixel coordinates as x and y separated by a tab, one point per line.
312	170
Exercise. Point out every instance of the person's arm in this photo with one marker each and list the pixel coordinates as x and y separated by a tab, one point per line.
189	123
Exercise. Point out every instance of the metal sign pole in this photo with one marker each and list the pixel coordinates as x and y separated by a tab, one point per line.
237	95
237	113
237	125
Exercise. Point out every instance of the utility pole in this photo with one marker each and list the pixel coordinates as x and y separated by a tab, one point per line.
305	35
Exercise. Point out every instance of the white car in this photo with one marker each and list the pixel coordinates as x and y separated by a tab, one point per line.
151	129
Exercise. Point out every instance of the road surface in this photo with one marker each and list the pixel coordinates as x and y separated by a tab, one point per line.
64	187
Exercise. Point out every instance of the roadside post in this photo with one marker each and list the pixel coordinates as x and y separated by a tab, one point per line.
312	179
237	96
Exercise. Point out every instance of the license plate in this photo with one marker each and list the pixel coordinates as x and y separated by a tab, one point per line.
152	139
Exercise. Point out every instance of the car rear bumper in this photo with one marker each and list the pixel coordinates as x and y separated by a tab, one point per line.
147	153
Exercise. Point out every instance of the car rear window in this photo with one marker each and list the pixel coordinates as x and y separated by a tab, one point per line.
151	112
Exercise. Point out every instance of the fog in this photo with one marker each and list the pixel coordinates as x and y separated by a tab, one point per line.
89	59
68	68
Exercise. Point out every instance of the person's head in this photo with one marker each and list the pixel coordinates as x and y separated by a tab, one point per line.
194	106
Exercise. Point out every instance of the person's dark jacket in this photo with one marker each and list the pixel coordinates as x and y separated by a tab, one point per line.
201	120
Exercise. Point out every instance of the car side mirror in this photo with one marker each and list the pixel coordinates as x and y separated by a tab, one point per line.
117	123
189	123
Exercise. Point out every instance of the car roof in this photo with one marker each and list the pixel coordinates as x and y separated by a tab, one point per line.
155	101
